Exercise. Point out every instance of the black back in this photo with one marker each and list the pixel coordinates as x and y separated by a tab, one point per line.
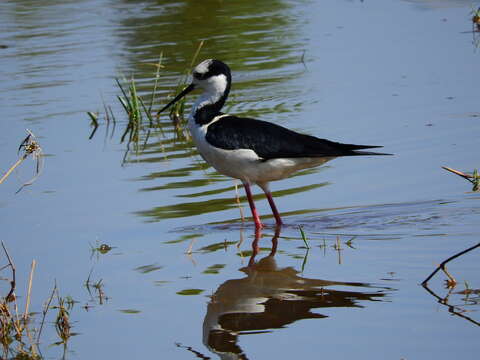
271	141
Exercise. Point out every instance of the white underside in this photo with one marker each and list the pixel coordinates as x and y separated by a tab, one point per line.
244	164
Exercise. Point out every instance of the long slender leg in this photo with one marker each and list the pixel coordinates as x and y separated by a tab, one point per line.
255	248
269	196
256	218
275	241
278	219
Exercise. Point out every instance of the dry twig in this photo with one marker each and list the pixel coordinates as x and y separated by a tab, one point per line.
31	147
443	263
27	303
451	308
11	294
45	311
473	178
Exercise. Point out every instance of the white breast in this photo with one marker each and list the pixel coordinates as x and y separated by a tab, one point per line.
238	164
245	164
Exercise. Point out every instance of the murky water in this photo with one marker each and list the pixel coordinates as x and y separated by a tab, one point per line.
185	277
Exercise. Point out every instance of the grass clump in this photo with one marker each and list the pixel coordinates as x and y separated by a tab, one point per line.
19	333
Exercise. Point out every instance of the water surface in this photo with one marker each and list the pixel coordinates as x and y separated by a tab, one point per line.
186	277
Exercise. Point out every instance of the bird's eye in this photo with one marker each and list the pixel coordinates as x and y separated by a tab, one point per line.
199	76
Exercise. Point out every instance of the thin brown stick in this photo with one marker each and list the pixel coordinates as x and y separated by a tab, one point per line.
442	264
16	321
190	247
237	200
196	53
459	173
472	178
338	249
10	295
451	308
31	147
45	311
452	282
7	174
34	348
29	291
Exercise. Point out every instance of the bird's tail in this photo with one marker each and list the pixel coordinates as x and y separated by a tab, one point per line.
352	150
357	152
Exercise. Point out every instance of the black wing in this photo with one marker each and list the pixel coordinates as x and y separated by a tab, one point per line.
272	141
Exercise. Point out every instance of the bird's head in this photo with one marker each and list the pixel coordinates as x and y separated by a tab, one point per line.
213	76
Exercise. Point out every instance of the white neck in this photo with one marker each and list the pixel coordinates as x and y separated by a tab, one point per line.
213	94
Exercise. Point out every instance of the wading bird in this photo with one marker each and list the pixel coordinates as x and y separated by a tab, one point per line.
254	151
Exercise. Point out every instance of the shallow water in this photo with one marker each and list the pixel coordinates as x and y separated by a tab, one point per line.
185	277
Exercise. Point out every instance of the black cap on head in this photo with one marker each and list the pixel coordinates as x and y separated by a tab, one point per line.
209	68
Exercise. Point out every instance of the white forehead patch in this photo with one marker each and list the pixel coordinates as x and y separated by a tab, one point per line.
202	68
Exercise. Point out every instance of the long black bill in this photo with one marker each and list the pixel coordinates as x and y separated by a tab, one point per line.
178	97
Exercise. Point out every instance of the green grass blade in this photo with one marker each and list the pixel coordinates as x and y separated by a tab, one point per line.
304	238
125	96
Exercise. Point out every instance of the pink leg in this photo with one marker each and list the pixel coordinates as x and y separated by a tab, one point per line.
278	219
255	248
256	218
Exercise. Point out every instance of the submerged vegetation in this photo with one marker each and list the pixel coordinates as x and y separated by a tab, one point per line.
138	110
30	147
471	295
21	329
476	19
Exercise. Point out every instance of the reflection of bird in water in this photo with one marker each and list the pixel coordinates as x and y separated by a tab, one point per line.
254	151
270	297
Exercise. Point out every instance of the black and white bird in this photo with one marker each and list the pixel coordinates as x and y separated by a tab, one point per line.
254	151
